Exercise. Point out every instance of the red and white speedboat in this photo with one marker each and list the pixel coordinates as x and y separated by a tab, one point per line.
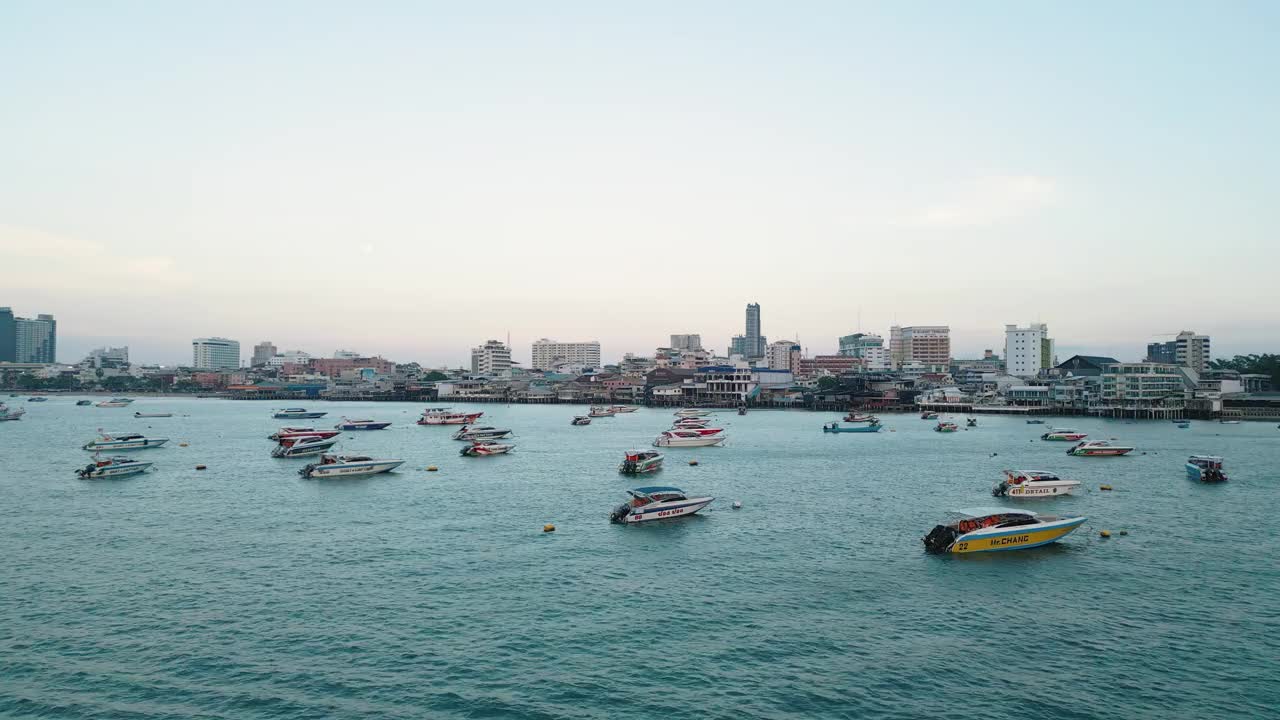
690	437
1064	434
443	416
293	433
690	423
480	448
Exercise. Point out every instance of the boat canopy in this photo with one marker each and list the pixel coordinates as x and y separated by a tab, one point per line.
1032	474
1207	458
978	512
655	489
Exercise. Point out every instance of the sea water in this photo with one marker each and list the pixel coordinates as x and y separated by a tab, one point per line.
246	591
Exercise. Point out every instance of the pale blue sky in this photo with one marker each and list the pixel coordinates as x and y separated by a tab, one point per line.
412	178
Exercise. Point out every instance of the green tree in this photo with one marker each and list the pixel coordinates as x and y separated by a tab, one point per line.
1266	364
434	376
827	382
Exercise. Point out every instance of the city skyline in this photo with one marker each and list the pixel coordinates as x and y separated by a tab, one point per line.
860	166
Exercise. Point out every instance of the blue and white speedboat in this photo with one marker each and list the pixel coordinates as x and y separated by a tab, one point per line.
111	467
334	466
361	425
123	441
1206	468
657	503
835	427
297	414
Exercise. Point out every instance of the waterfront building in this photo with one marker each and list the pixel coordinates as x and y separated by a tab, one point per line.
1186	349
1027	350
875	359
290	357
215	353
346	355
1148	389
33	341
8	336
919	345
1084	365
753	342
783	355
491	358
335	367
549	353
107	357
262	353
828	365
688	342
857	344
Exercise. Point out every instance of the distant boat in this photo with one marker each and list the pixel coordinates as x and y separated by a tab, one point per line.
297	414
151	415
361	425
580	420
835	427
1229	422
115	402
38	398
1035	422
639	462
84	402
1205	468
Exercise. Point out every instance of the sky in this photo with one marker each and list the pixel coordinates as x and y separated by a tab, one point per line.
411	179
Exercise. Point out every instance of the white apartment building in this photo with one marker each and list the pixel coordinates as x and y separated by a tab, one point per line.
875	358
783	355
1027	350
491	358
291	357
215	353
549	353
920	345
1192	351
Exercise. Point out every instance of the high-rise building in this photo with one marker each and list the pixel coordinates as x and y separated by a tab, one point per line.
755	343
920	345
1027	350
1187	349
1164	353
549	353
855	345
783	355
117	357
263	352
215	353
35	341
8	336
686	342
491	358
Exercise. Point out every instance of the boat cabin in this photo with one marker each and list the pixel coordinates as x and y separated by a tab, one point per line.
648	495
1017	477
993	517
1206	462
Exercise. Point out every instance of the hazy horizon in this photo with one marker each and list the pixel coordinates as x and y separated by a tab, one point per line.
412	179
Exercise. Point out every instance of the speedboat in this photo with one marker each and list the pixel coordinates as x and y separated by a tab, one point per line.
580	420
691	437
38	398
835	427
151	415
297	414
1064	434
854	417
690	423
83	403
692	412
945	426
111	467
657	503
971	422
115	402
1205	468
623	408
639	462
7	413
994	528
331	466
1035	422
927	415
480	448
123	441
302	447
1099	448
443	416
1032	484
293	433
481	433
1183	424
601	411
1228	422
362	425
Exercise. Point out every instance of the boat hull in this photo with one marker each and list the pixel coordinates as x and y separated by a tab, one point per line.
666	511
1037	490
1101	452
703	441
299	416
1197	473
117	472
364	426
450	420
863	429
340	470
1017	538
96	446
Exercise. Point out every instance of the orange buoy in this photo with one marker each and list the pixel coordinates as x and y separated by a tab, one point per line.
548	528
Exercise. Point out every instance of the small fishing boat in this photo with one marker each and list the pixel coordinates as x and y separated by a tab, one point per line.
480	448
83	403
639	462
362	425
297	414
293	433
1183	424
854	417
690	437
599	411
928	415
302	447
111	467
1064	434
971	422
623	408
657	503
481	433
580	420
945	426
123	441
690	423
1033	484
152	415
993	529
1033	421
443	416
1206	468
1099	448
692	412
835	427
335	466
38	398
115	402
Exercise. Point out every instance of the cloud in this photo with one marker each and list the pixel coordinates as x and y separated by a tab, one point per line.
988	201
42	260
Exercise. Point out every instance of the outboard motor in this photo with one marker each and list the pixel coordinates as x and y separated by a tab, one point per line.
620	513
940	539
1000	488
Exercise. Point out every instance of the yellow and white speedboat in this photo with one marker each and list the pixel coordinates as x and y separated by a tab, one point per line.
987	529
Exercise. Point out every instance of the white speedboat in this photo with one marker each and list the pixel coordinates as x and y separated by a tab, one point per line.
691	437
994	528
690	423
580	420
1064	434
1205	468
302	447
336	466
1099	448
7	413
111	467
152	415
1228	422
115	402
639	462
1033	484
297	414
123	441
598	411
293	433
486	432
692	412
480	448
623	408
657	503
443	416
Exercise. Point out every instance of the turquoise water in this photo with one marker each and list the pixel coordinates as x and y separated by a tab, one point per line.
244	591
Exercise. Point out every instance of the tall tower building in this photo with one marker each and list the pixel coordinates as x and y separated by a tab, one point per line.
8	336
263	352
35	341
491	358
215	353
1027	350
754	343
